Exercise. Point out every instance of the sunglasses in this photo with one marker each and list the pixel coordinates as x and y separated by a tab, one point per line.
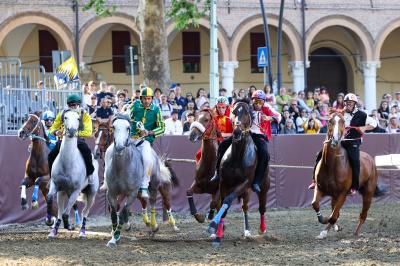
258	101
49	120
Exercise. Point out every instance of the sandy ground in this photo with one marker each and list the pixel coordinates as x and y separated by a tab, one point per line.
290	240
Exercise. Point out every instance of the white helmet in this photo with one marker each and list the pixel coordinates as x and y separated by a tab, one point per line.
351	97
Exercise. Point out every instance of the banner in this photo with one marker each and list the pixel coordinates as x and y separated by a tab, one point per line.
66	72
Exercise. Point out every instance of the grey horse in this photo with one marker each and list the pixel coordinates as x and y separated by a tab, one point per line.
123	176
68	177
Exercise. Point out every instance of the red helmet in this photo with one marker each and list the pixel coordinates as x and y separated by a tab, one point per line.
258	94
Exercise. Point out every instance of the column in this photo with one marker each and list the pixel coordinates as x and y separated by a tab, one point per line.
369	69
227	75
297	68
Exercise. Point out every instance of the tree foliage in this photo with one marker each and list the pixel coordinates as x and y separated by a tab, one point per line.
187	13
99	6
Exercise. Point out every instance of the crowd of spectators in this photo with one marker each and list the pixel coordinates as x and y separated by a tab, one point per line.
302	112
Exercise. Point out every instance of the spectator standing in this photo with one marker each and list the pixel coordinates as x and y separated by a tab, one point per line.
201	98
302	102
282	99
310	100
300	120
324	117
121	100
173	126
190	118
92	87
180	100
103	92
324	96
165	107
338	104
86	94
157	96
269	96
91	108
105	111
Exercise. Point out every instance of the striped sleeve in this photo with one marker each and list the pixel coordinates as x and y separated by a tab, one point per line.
159	130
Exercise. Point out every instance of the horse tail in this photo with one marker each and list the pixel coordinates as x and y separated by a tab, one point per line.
167	174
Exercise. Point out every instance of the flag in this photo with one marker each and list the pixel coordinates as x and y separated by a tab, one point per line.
66	72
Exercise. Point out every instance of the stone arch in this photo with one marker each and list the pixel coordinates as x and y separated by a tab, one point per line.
92	25
222	37
382	36
56	26
289	31
363	37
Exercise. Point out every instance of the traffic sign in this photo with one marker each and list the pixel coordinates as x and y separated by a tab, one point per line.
262	57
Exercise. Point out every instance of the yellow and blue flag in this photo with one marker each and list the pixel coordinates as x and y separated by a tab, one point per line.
66	72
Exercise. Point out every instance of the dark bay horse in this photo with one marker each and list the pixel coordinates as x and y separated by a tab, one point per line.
237	173
104	137
36	168
206	130
333	176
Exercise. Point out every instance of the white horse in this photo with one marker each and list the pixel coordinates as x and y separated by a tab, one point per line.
123	177
68	177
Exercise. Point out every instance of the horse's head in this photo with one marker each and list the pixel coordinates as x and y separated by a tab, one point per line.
122	129
71	123
241	120
31	126
336	129
203	127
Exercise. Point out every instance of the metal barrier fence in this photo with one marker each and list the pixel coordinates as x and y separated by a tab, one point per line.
20	94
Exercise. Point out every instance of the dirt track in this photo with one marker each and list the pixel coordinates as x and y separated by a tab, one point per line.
290	240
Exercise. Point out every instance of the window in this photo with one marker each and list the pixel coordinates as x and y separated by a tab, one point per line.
119	40
47	43
256	40
191	52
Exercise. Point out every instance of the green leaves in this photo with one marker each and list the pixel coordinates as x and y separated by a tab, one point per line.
100	8
187	12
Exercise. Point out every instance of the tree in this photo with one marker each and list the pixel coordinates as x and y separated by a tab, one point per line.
153	39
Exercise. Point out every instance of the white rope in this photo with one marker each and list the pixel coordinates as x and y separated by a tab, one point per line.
275	165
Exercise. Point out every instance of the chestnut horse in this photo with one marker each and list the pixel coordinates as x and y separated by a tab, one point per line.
206	130
333	176
237	173
36	167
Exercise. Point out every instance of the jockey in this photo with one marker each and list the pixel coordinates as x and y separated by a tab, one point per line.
74	101
356	123
222	118
147	124
48	118
260	132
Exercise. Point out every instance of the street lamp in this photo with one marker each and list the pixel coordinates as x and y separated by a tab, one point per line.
279	55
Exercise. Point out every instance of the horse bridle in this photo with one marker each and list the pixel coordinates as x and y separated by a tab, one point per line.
209	127
31	132
129	129
238	123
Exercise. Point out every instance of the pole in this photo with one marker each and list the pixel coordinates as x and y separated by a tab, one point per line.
279	55
265	76
132	69
267	42
76	9
303	18
214	76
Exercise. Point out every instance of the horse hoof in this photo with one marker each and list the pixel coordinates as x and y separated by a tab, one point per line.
112	244
50	221
127	227
212	228
176	229
247	233
154	229
82	234
200	217
216	243
213	236
323	234
52	234
337	228
35	205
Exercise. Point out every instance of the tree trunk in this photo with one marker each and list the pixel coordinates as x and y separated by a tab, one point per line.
153	43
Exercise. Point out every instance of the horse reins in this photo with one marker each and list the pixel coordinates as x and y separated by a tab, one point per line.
209	126
31	133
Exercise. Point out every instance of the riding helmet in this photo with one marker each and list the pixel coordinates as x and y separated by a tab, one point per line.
48	115
146	91
74	98
351	97
258	94
222	101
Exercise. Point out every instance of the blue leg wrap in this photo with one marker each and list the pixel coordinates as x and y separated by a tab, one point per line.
221	211
77	219
35	193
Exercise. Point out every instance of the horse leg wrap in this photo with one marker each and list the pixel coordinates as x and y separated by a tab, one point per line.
84	223
114	227
153	221
145	217
114	219
263	226
193	209
171	219
220	230
23	190
246	221
65	218
221	211
320	217
77	218
57	224
228	200
35	193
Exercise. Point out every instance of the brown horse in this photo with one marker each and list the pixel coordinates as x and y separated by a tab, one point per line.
333	176
237	173
206	130
36	167
104	137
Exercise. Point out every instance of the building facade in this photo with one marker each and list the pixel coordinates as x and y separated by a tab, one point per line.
351	46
